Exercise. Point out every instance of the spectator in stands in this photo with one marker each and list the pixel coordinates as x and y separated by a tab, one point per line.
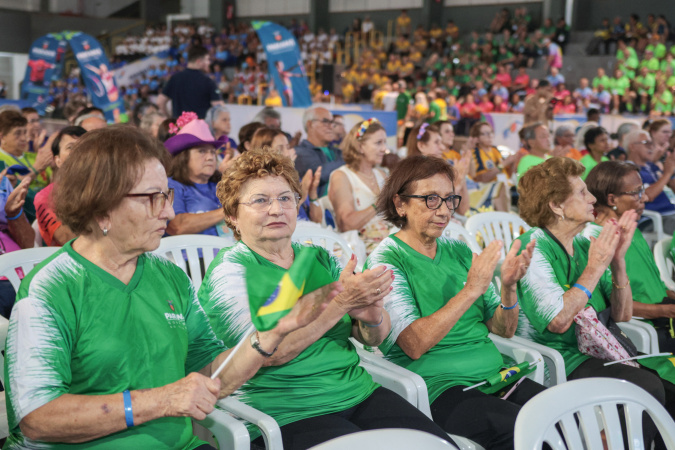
403	101
193	176
564	143
191	89
54	233
219	122
246	134
554	57
151	122
555	77
660	131
440	328
315	151
641	151
276	140
596	141
14	152
618	188
90	118
72	109
338	129
36	137
16	232
104	295
569	272
537	140
492	171
425	139
538	107
354	187
460	160
619	152
261	210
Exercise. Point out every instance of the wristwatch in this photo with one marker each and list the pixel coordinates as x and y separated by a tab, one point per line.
255	343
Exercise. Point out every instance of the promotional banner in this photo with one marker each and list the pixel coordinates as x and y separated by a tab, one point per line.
284	63
42	67
134	72
99	80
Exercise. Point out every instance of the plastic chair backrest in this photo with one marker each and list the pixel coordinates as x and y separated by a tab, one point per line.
310	233
583	409
657	221
491	226
386	439
25	260
664	262
192	252
457	231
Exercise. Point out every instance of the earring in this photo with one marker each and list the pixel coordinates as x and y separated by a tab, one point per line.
562	217
614	207
105	232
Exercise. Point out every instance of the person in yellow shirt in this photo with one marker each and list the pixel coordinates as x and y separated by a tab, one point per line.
436	32
403	23
407	68
402	44
273	99
452	30
347	91
416	56
393	65
442	105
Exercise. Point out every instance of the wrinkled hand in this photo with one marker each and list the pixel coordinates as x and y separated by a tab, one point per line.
560	150
483	268
627	225
669	164
314	187
44	157
229	157
17	198
515	267
364	292
193	396
306	184
602	249
296	139
308	308
462	166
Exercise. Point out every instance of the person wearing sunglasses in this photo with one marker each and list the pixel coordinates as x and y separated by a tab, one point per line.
641	151
108	346
443	304
618	188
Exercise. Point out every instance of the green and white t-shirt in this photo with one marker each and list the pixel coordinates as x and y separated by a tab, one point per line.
645	280
324	378
76	329
551	273
422	286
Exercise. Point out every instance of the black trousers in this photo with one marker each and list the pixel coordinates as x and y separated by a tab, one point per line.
483	418
383	409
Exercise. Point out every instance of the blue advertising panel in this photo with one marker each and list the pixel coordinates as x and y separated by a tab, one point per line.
284	63
42	67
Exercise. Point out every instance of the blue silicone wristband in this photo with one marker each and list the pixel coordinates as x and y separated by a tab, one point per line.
128	412
508	307
586	291
16	217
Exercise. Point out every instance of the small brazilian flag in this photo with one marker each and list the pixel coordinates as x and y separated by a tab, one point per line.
506	377
273	293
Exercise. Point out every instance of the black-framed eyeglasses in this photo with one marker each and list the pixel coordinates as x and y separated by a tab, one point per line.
646	142
434	201
157	200
326	122
640	192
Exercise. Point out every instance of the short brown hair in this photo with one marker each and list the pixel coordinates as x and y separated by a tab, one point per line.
607	178
402	181
179	169
413	149
246	134
655	125
544	183
105	166
474	132
350	148
256	163
264	136
10	120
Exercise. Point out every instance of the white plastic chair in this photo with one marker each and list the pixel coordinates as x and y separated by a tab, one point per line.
25	260
184	250
652	237
311	233
493	226
642	334
553	360
456	231
4	426
386	439
38	237
664	262
229	433
582	409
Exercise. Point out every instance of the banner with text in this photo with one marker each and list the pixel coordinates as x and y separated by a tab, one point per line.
43	65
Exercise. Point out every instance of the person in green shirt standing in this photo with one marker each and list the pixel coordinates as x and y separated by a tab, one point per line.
600	79
568	272
662	101
537	141
403	101
645	83
617	187
14	152
443	304
596	141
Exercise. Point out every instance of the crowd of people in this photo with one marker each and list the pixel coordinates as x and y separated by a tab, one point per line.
89	323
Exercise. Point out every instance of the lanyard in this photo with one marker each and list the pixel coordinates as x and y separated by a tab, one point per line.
21	163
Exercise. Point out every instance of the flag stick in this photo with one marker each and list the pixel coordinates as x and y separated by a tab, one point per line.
533	363
638	357
234	350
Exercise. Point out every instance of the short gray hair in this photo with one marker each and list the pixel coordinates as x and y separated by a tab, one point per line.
310	114
633	137
266	113
623	131
148	119
213	113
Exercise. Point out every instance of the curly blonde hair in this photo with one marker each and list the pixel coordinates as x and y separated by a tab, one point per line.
256	163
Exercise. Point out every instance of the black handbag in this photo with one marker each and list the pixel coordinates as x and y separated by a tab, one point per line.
605	316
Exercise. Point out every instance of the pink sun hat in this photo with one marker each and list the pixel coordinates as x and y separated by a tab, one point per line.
191	132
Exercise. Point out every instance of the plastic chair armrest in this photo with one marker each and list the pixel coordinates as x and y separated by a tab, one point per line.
553	359
520	354
228	431
267	425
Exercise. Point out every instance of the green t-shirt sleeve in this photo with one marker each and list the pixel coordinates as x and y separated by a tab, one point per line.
203	345
541	296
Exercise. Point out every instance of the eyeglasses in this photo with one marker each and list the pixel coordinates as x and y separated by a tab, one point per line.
434	201
646	142
326	122
640	192
157	200
263	202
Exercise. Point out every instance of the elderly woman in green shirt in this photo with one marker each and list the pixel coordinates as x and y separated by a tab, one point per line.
617	187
